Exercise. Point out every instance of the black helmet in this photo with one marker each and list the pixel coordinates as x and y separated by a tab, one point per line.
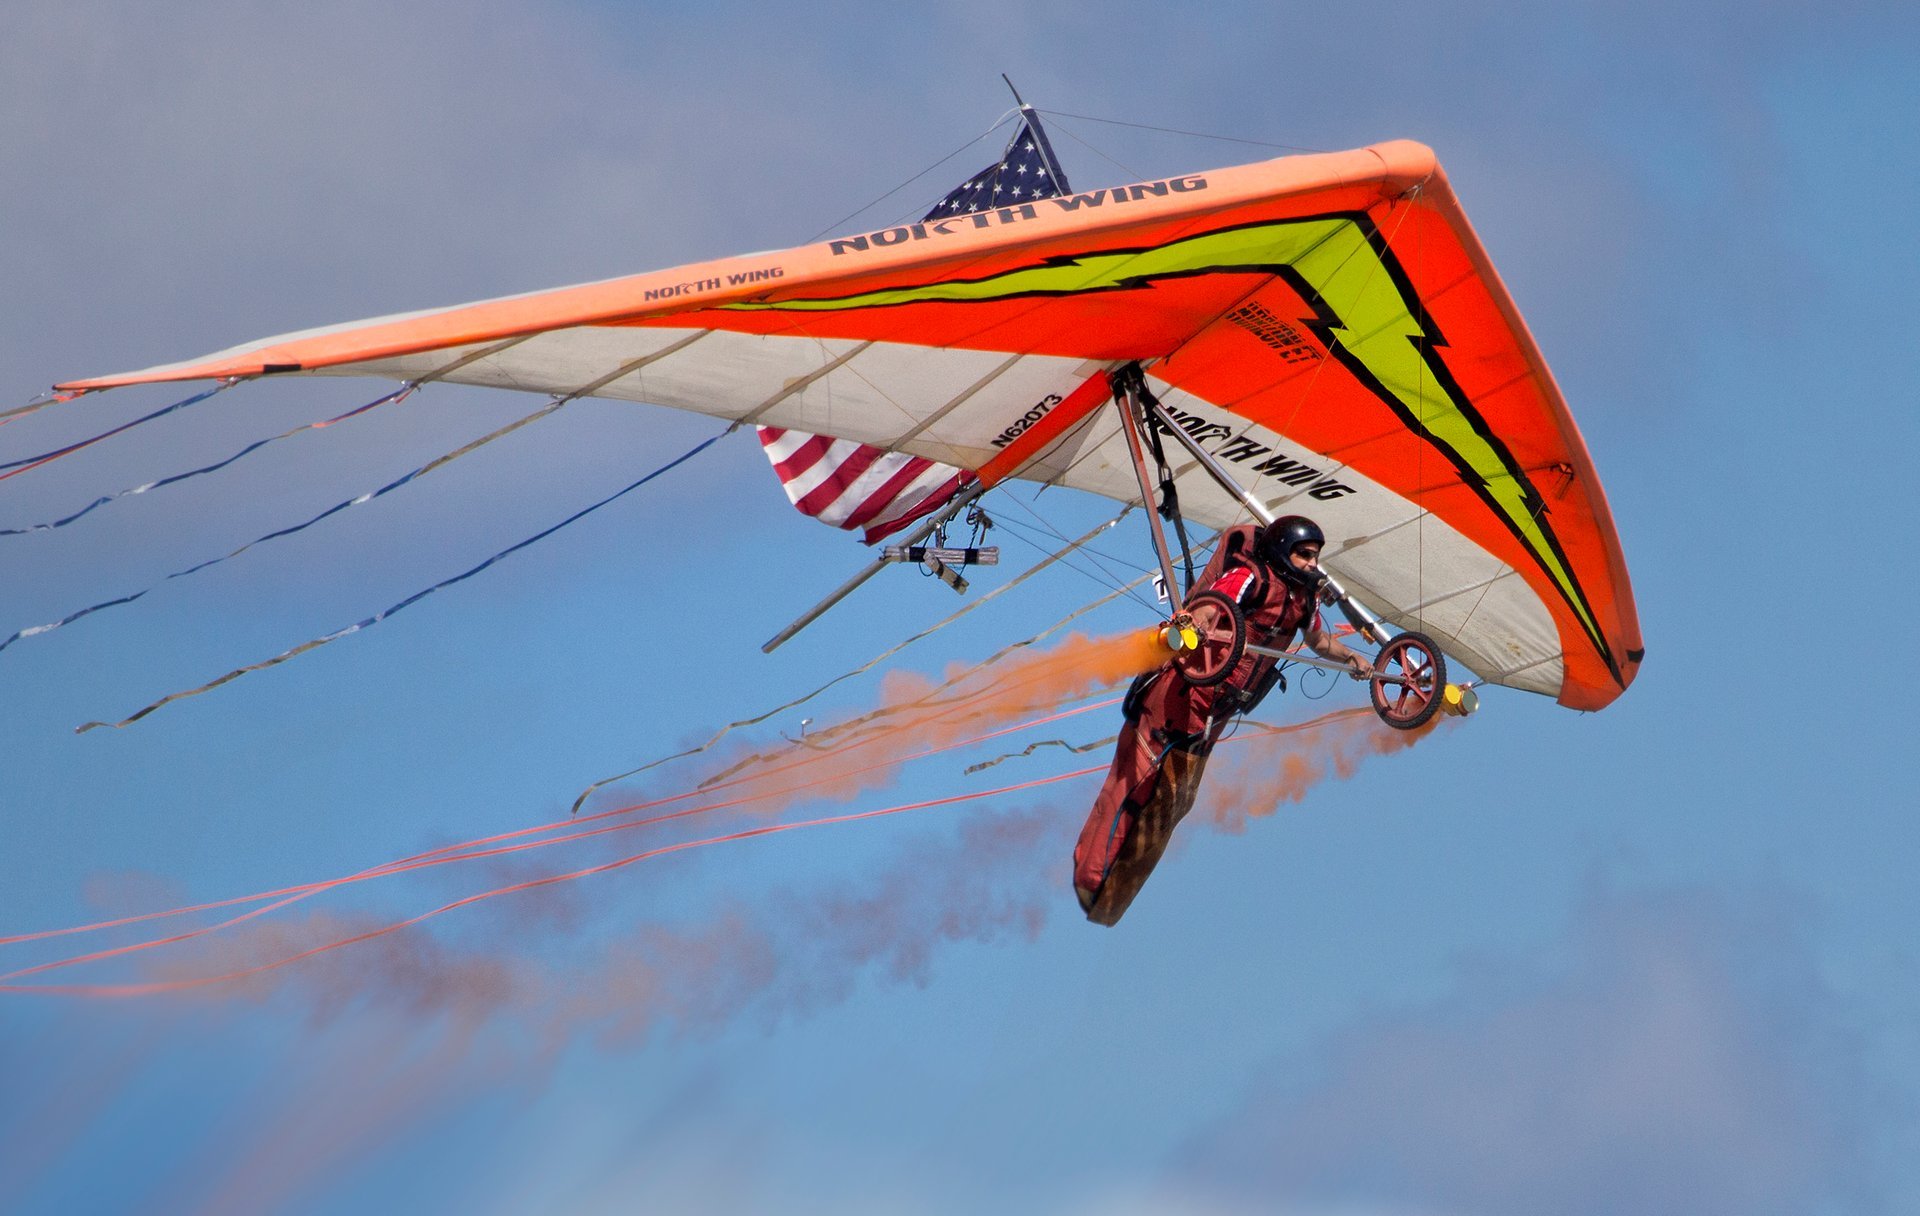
1279	539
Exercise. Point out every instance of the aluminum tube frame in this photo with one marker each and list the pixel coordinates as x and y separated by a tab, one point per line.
876	566
1127	399
1314	660
1370	626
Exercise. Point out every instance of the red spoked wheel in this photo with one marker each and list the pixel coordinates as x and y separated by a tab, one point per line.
1407	681
1222	633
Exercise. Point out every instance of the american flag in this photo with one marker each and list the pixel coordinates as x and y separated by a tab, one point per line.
1026	171
854	486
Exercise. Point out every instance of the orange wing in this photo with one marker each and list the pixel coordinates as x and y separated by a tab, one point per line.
1328	325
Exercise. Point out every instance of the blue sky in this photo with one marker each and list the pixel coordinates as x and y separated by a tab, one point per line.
1653	959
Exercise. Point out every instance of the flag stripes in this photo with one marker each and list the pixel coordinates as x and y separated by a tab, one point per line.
855	486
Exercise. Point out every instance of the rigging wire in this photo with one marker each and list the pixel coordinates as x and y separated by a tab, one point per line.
1505	570
997	124
1071	134
1425	349
1076	434
1131	566
1100	577
1141	126
1132	173
1113	586
896	648
1042	524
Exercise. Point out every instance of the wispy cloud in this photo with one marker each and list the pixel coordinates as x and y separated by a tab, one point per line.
1672	1053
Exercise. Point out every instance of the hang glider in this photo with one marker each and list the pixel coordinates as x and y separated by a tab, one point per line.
1327	327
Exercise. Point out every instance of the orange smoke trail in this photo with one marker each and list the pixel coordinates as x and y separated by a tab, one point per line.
1254	781
1262	769
1250	783
987	695
1281	765
356	1096
1078	665
46	1121
975	697
160	986
468	851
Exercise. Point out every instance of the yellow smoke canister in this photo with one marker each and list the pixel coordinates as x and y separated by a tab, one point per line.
1459	701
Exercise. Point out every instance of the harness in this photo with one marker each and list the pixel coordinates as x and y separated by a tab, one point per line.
1262	675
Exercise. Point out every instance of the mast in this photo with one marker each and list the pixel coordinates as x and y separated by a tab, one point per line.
1039	137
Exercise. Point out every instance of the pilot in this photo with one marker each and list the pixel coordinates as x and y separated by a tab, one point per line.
1273	574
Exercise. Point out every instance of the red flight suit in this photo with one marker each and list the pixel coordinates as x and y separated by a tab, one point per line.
1171	726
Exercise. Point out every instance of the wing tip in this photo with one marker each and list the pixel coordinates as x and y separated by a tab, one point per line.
1405	163
225	369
